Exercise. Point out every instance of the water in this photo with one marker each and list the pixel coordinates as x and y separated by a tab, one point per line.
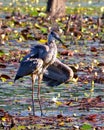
16	97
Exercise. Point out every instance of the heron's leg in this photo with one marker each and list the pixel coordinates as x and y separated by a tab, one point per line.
40	77
33	81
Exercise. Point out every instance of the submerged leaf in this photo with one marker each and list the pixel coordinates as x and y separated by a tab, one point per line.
37	25
42	40
43	30
1	53
2	66
58	103
61	124
86	126
18	128
42	14
3	118
4	77
11	83
92	117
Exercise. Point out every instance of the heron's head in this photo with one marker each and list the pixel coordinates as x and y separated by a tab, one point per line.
52	36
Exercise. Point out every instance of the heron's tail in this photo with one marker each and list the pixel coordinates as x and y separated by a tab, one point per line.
17	77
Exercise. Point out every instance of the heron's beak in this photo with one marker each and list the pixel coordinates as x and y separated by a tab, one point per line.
58	38
61	41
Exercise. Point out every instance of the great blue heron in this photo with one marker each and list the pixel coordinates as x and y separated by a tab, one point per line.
37	62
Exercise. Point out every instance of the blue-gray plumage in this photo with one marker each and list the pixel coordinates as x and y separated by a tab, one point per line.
37	61
57	73
41	56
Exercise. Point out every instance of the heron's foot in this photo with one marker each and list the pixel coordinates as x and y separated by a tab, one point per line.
33	109
34	114
42	114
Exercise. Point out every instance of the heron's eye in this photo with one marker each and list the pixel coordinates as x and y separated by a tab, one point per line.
54	34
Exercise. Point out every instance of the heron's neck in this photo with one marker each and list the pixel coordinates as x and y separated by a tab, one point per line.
51	44
50	41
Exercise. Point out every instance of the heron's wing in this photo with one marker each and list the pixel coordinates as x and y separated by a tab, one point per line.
28	65
57	74
39	51
32	61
